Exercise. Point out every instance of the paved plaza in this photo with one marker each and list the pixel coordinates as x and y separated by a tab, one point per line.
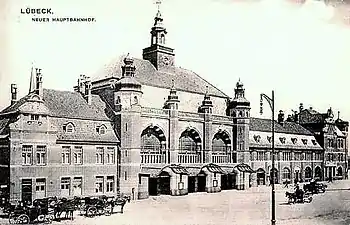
232	207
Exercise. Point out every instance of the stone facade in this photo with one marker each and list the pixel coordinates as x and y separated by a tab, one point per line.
145	127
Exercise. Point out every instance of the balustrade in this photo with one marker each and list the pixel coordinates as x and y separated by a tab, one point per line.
186	157
153	158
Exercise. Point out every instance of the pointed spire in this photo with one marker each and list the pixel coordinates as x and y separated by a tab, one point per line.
32	84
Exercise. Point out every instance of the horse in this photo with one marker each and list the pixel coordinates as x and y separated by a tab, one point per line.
291	197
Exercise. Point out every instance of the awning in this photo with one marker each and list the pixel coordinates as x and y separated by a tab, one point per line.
193	171
213	168
177	169
244	168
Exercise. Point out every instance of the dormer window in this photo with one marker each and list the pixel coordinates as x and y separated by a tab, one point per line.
294	140
269	139
34	117
314	142
283	140
304	141
101	129
257	138
68	128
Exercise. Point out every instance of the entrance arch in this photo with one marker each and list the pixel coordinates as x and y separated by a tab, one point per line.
308	173
318	173
260	176
339	171
275	173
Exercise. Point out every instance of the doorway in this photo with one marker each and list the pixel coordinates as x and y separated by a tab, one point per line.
164	183
191	184
201	182
27	191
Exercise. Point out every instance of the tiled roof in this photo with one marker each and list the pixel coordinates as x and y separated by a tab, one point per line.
147	74
311	116
68	104
258	124
3	123
73	105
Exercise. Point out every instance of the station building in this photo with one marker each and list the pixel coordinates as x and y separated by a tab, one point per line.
144	127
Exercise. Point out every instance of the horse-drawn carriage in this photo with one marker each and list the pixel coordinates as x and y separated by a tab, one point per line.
101	205
315	187
40	211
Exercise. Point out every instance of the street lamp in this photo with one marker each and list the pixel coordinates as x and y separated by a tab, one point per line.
271	102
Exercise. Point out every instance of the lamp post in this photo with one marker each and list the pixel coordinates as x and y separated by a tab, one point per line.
271	102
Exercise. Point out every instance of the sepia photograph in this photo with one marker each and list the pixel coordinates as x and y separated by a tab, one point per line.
174	112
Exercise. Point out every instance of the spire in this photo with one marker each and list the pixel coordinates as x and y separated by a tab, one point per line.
32	84
207	104
240	94
173	99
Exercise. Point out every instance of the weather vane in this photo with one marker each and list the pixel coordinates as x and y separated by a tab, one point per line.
158	2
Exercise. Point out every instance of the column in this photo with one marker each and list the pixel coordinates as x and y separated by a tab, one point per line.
207	148
173	132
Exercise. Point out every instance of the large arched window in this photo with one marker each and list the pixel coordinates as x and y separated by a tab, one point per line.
221	143
190	141
286	173
308	173
152	139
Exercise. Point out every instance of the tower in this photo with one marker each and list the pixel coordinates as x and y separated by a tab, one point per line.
128	94
239	109
161	56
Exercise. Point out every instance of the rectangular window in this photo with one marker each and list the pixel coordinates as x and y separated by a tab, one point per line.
308	156
41	155
126	175
27	154
78	155
34	117
110	184
99	184
110	155
40	188
99	155
77	186
260	156
66	154
65	186
297	156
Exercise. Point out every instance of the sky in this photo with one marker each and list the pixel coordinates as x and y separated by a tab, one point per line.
298	50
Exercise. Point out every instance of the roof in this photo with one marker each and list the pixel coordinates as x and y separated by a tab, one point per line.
67	104
265	125
311	116
3	123
73	105
147	74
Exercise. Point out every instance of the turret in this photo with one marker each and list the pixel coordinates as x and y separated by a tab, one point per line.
13	94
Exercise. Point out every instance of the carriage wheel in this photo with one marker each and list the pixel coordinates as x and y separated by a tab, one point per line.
41	218
91	212
108	210
48	219
23	219
12	218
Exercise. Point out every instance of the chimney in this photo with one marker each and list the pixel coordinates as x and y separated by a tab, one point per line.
39	83
81	84
280	118
87	86
13	94
301	107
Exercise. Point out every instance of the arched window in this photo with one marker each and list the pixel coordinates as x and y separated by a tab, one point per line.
308	173
190	141
318	173
136	101
152	139
286	173
102	129
162	39
68	128
340	171
221	143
